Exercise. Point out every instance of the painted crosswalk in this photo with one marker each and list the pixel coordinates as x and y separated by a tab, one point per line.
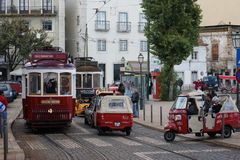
97	142
67	143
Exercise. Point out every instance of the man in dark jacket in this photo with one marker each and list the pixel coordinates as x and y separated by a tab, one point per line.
135	99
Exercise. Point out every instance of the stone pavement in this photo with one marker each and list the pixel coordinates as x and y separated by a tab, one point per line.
15	108
155	123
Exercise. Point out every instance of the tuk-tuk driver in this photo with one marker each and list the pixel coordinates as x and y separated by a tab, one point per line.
192	109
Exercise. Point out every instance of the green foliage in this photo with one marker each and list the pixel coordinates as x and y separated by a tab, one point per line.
164	80
17	41
172	31
173	28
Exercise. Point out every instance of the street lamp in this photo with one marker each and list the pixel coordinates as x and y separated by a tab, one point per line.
236	45
140	61
122	68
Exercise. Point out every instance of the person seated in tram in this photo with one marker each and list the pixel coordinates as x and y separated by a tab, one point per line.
51	86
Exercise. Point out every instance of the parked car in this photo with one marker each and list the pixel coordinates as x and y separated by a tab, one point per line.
16	86
7	90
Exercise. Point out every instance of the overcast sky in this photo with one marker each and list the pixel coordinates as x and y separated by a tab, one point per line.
220	11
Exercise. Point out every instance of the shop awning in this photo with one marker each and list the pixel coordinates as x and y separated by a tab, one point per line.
16	72
227	77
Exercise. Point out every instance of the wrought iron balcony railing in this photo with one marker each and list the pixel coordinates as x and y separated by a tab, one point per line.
123	26
28	10
102	25
141	26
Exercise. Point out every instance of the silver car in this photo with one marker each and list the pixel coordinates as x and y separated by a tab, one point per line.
7	90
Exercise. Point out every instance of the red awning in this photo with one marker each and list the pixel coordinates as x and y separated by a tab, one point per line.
227	77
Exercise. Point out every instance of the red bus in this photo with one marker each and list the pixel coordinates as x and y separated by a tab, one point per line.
48	89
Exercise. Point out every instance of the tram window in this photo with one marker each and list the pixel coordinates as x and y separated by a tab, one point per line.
50	83
78	81
34	83
65	82
87	81
96	80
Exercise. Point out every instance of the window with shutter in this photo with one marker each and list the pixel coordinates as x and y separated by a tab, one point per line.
215	52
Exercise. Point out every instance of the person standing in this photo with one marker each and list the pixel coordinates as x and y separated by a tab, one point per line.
3	99
135	99
121	88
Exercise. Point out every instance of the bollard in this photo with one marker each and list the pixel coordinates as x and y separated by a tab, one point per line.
151	113
161	115
222	125
144	113
5	135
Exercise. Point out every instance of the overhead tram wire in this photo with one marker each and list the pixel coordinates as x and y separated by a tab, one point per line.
97	10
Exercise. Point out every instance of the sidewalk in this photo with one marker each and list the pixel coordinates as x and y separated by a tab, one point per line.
14	151
233	141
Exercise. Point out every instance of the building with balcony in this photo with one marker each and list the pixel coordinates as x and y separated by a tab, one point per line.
106	31
48	15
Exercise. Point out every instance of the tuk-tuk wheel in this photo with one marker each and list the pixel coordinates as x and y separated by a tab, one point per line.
227	131
212	134
100	131
85	121
128	132
169	136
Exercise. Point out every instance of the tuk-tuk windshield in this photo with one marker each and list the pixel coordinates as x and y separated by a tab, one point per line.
180	103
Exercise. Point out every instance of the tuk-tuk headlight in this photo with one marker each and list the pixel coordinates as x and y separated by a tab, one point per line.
178	118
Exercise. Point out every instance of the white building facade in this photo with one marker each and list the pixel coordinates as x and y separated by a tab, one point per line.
194	67
115	30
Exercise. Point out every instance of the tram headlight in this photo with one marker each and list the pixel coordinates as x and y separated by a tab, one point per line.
178	118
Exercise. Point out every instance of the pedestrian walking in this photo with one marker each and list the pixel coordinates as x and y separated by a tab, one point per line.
135	99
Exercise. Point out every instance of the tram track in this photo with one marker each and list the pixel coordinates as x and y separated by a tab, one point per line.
88	147
66	153
159	147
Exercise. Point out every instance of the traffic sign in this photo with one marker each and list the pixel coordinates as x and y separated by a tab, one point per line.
238	75
2	107
238	58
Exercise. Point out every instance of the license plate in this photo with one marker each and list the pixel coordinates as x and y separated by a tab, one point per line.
117	124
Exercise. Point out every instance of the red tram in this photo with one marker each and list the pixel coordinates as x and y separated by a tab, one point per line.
48	89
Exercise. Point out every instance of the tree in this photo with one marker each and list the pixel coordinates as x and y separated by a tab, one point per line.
17	41
172	30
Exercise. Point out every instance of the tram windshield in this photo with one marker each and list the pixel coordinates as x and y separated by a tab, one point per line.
50	84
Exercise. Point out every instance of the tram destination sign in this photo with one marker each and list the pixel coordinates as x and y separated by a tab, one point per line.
58	56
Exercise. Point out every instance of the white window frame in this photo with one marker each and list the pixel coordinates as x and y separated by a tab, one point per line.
194	55
123	45
143	46
101	45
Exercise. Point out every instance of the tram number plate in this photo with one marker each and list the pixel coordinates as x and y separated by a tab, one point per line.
117	124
